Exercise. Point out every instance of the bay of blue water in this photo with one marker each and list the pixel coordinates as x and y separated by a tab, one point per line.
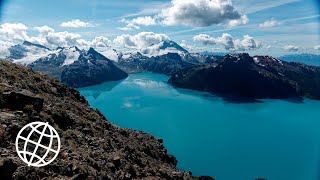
276	139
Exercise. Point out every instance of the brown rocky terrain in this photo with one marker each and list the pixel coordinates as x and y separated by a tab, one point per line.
91	147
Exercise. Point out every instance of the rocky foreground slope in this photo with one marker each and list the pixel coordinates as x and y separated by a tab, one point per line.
252	77
92	148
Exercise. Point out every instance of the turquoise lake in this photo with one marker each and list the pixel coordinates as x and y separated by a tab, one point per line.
275	139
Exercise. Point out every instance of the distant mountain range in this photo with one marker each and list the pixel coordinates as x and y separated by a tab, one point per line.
166	57
310	59
72	66
235	74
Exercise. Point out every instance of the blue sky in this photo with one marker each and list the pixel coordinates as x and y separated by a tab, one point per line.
276	26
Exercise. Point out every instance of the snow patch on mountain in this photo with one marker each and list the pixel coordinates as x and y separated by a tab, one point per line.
27	53
111	54
72	54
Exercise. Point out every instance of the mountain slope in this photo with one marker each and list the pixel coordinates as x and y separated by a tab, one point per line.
91	147
27	52
91	68
167	64
252	77
78	68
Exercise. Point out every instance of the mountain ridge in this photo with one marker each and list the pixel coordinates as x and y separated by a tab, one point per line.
255	77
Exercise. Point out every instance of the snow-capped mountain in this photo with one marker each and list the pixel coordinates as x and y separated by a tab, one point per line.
60	57
164	47
27	52
71	65
78	68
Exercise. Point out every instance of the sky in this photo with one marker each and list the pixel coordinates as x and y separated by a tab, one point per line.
273	27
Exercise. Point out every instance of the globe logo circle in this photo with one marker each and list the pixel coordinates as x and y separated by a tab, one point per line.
38	144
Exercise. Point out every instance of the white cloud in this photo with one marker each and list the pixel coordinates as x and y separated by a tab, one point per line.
317	47
48	37
53	39
291	48
141	40
205	39
75	23
237	22
4	48
14	31
230	44
246	43
63	38
129	27
145	21
201	13
44	29
186	46
269	23
137	22
100	42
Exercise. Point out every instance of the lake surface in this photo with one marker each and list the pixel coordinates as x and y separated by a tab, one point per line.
276	139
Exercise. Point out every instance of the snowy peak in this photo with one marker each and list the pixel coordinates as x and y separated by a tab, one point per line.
71	54
27	52
267	60
173	45
110	53
92	56
164	47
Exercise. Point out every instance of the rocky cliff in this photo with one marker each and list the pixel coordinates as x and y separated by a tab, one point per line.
92	147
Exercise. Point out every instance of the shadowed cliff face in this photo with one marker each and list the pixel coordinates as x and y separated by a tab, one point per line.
252	77
92	148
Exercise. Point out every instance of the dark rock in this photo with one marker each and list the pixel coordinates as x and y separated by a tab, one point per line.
79	177
7	168
21	100
68	170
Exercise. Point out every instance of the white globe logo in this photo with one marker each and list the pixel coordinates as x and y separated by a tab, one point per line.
38	144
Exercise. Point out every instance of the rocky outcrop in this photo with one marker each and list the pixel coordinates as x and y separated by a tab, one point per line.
252	77
92	147
20	100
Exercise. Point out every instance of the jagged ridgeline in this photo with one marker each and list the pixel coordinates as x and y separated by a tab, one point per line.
252	77
72	66
80	68
92	148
